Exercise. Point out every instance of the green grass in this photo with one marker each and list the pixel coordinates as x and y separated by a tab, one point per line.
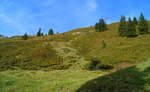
55	63
117	49
132	79
40	81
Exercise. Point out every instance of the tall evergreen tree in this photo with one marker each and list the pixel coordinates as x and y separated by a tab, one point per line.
39	33
123	27
131	28
101	26
25	36
142	25
135	21
42	34
97	26
50	32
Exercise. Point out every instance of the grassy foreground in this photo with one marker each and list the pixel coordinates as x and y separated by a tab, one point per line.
132	79
40	81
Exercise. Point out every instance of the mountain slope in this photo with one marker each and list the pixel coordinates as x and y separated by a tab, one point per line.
117	50
83	44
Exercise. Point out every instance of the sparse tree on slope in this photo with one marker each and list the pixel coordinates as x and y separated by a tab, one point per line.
97	26
131	28
135	21
50	32
142	25
101	26
25	36
39	33
42	34
123	27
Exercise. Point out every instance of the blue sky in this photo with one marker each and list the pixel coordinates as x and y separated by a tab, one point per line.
20	16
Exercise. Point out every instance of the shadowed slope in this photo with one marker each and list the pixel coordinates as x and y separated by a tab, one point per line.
132	79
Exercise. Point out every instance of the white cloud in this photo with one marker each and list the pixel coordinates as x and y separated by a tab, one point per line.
92	5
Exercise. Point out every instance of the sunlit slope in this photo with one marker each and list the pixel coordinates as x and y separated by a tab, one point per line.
73	49
117	49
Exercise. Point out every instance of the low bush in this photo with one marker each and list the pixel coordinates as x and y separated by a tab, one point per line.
104	66
97	64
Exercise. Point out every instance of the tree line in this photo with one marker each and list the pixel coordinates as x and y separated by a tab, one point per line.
127	28
101	26
133	27
39	33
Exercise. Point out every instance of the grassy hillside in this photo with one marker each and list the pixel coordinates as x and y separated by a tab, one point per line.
74	49
117	50
132	79
40	81
62	62
30	54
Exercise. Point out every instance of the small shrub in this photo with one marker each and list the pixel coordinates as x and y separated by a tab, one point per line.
104	66
96	64
89	66
93	63
25	36
9	83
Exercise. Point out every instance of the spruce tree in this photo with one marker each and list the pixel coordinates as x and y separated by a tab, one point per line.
142	25
39	33
131	28
122	27
97	26
50	32
42	34
25	36
135	21
101	26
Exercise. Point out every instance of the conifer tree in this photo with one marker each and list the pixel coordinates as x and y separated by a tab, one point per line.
142	25
123	27
97	26
39	33
42	34
131	28
50	32
101	26
135	21
25	36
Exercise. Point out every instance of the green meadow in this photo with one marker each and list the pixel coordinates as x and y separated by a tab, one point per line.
60	62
